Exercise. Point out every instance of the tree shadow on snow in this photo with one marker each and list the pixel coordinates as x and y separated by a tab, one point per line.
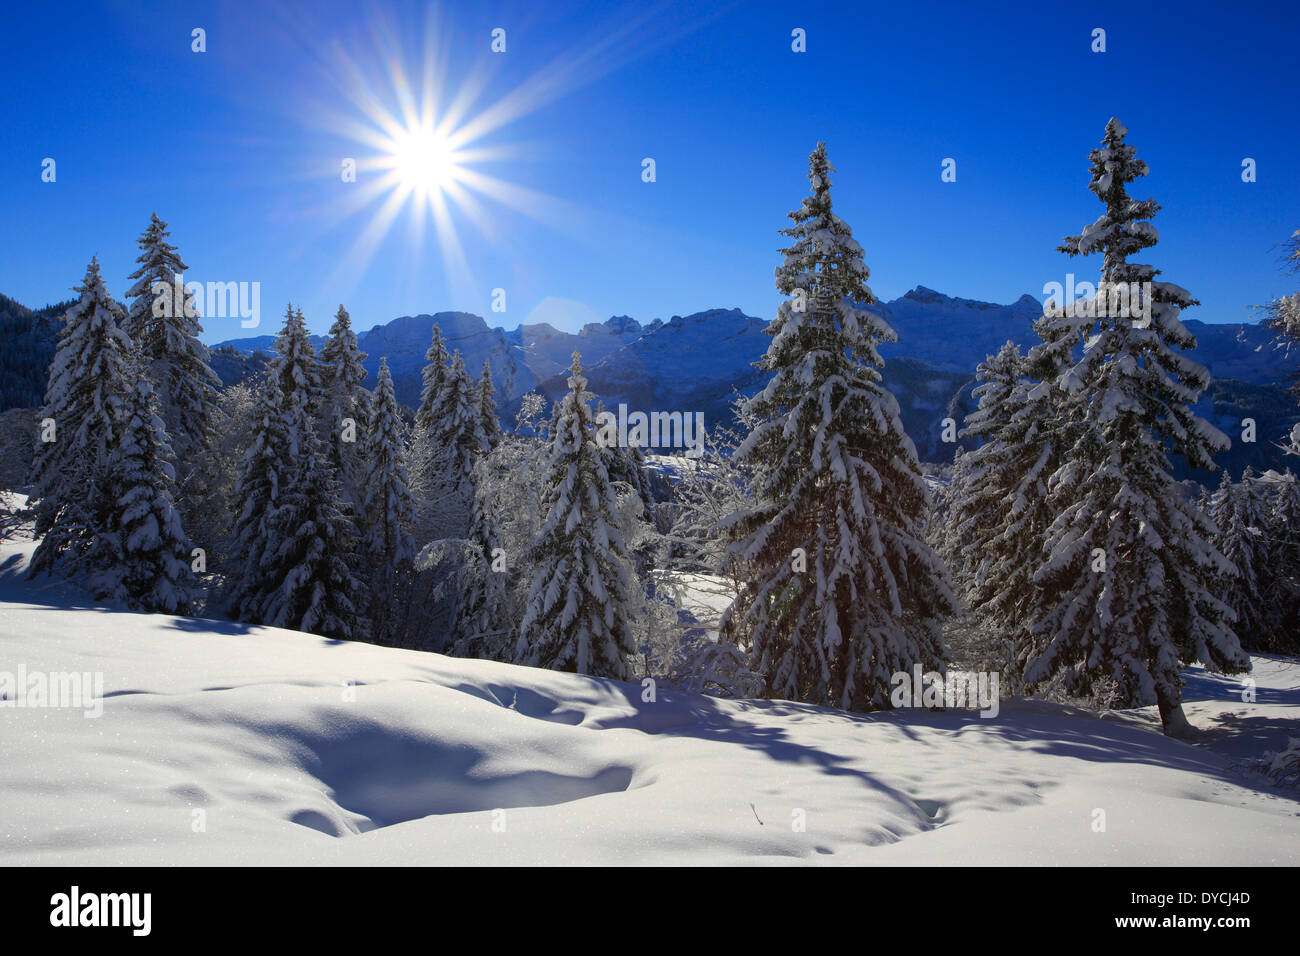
1036	726
208	625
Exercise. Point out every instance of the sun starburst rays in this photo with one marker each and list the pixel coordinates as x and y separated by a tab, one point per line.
417	156
421	142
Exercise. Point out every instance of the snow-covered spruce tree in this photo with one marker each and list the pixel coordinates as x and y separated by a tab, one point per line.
90	378
996	511
319	591
152	549
1241	513
976	508
210	506
845	590
655	616
294	536
163	323
344	400
625	463
455	442
155	289
425	477
1127	584
582	586
1221	502
483	619
312	561
1205	501
263	471
388	510
434	379
487	400
461	438
939	533
510	506
1282	315
1280	586
296	370
388	506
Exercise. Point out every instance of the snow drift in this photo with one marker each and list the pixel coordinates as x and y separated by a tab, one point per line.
226	744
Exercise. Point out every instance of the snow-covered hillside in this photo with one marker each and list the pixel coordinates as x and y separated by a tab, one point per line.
225	744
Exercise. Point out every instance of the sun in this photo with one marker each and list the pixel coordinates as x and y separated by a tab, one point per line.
429	147
424	162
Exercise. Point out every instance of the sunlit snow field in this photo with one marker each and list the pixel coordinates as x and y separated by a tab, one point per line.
302	750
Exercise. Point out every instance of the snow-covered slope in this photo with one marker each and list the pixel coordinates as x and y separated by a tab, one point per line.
221	744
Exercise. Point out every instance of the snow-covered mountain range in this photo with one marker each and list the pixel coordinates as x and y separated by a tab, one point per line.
698	362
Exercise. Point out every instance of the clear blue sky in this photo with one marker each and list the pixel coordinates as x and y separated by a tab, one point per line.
239	148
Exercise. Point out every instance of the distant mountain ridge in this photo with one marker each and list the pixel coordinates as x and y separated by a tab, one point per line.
699	362
27	338
520	359
714	345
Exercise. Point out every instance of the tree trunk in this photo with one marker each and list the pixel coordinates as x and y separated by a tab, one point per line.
1172	716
